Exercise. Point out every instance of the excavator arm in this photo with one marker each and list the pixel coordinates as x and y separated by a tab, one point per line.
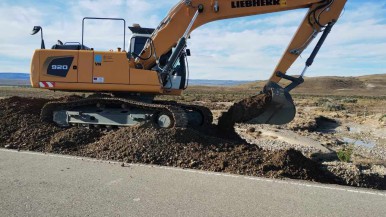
188	15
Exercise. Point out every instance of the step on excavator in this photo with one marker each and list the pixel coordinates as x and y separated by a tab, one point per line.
125	83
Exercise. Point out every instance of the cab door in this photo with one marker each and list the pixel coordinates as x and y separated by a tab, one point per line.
85	66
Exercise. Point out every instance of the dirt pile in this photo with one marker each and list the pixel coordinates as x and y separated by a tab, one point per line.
71	140
188	148
363	174
245	110
20	125
22	129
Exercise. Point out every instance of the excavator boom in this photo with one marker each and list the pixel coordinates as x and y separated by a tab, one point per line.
278	107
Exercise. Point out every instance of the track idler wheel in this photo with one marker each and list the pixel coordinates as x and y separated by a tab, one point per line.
164	120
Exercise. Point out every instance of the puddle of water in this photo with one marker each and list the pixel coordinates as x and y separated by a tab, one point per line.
359	142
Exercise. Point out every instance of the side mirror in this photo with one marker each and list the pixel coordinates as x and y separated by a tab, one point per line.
37	29
188	52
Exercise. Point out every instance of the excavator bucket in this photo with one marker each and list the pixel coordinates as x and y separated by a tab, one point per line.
273	106
279	110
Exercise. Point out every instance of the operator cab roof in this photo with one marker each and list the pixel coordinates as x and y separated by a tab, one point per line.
140	30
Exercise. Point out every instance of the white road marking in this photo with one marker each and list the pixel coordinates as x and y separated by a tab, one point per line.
259	179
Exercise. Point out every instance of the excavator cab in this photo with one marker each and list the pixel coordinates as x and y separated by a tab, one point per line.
139	39
177	79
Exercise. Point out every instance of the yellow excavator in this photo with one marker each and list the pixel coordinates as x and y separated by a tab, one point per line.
126	82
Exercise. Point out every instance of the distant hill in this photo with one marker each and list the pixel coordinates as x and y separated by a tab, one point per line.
371	85
14	76
14	79
201	82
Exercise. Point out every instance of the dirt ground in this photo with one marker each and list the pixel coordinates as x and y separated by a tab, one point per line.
333	139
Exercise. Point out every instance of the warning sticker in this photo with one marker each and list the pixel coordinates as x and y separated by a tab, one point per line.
99	80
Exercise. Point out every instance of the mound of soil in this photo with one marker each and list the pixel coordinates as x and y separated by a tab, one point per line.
71	140
20	124
245	110
188	148
22	129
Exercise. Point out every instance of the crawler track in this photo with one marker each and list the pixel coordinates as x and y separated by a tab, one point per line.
204	111
180	119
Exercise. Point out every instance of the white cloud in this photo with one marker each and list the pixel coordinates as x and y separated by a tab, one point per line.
63	21
357	45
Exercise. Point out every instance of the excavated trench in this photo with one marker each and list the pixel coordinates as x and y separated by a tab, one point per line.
206	149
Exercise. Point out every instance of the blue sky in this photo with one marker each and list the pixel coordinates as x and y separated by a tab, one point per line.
238	49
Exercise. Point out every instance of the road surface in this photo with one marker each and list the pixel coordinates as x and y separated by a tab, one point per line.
33	184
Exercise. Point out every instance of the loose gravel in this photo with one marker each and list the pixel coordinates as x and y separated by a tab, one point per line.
205	149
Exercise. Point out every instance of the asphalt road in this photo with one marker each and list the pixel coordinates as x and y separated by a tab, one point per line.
34	184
